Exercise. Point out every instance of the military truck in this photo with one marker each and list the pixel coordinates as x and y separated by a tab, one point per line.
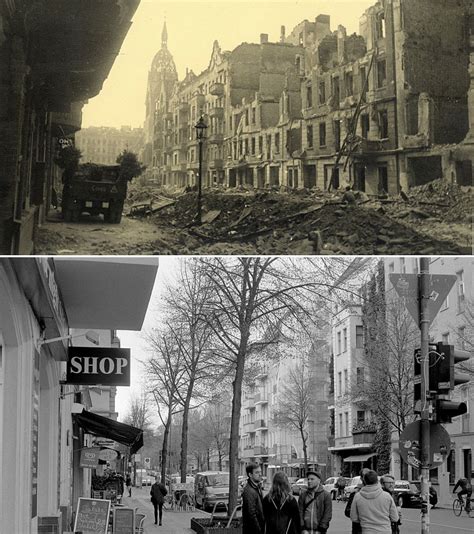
94	189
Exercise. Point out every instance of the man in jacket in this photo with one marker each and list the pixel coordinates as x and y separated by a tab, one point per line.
388	485
315	506
158	492
466	489
252	498
374	508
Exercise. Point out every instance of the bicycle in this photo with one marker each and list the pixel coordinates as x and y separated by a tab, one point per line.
459	506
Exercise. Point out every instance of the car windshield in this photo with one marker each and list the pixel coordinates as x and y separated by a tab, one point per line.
354	481
218	480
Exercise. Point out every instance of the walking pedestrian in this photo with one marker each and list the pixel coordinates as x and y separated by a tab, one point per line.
158	492
128	483
373	508
388	485
252	502
280	508
315	506
340	484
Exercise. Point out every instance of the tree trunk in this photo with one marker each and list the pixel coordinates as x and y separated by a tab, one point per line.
208	459
234	426
184	431
164	449
219	452
305	449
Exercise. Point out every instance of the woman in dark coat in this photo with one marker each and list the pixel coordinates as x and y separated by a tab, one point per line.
280	508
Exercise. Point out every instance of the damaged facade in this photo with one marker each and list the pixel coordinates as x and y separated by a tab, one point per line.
51	63
383	110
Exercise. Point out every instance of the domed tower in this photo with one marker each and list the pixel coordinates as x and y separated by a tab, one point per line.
161	79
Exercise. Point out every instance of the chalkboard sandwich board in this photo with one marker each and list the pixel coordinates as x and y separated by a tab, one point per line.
92	516
124	521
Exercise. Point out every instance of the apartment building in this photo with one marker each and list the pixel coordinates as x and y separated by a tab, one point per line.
104	144
320	108
274	447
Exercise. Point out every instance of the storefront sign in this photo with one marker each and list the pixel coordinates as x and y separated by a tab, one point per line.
124	520
94	366
108	455
92	516
89	458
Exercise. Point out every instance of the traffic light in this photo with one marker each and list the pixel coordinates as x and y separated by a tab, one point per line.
417	367
446	409
443	374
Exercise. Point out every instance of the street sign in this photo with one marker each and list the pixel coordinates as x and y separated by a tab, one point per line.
406	285
410	444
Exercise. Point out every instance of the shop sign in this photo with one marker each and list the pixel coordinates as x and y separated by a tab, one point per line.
98	366
89	457
108	455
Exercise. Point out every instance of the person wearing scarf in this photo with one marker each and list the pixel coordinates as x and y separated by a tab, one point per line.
280	508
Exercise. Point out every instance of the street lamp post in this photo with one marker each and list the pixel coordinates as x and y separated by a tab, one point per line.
200	131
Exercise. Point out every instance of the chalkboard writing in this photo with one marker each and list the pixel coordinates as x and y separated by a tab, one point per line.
92	516
124	521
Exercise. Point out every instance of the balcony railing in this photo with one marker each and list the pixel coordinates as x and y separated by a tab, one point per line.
260	450
260	398
217	89
260	424
363	437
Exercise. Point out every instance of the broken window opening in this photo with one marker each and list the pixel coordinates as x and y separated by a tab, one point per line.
349	83
365	125
309	136
383	124
322	134
381	73
309	96
322	92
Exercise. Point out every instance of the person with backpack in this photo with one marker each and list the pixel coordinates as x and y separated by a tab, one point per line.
315	506
280	508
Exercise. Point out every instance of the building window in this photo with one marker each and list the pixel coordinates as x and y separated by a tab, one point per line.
403	267
336	92
349	83
460	291
346	382
309	136
254	115
381	73
339	383
462	337
309	96
346	416
359	337
360	376
383	180
391	267
277	142
380	26
337	134
339	343
383	124
322	134
253	146
344	339
322	92
360	417
260	145
341	430
365	125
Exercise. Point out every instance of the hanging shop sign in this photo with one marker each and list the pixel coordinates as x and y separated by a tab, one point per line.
89	457
98	366
108	455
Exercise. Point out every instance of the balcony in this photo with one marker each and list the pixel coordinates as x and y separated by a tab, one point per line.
216	89
216	164
215	138
260	451
260	424
260	399
217	112
364	433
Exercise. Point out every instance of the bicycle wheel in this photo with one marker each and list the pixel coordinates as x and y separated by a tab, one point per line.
457	507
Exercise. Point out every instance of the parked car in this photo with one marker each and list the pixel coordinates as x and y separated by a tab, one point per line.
299	485
211	487
433	493
351	485
330	486
406	494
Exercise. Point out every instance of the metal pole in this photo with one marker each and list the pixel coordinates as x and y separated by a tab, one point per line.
425	404
199	199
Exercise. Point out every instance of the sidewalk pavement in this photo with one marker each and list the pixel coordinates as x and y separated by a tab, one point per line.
174	522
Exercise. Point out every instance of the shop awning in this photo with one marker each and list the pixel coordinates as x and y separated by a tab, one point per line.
108	428
359	457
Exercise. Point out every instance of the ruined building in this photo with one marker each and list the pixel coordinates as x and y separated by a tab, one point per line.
382	110
50	64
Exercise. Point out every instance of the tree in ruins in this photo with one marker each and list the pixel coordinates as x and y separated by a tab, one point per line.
253	300
129	165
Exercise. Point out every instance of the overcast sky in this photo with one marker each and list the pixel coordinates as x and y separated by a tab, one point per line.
192	28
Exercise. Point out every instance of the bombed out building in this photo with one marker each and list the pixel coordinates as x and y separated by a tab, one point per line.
382	110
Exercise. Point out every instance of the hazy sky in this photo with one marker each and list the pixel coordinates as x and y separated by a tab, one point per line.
192	28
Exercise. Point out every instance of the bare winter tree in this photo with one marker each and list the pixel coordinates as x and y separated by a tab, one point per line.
296	402
186	303
138	413
166	374
253	300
